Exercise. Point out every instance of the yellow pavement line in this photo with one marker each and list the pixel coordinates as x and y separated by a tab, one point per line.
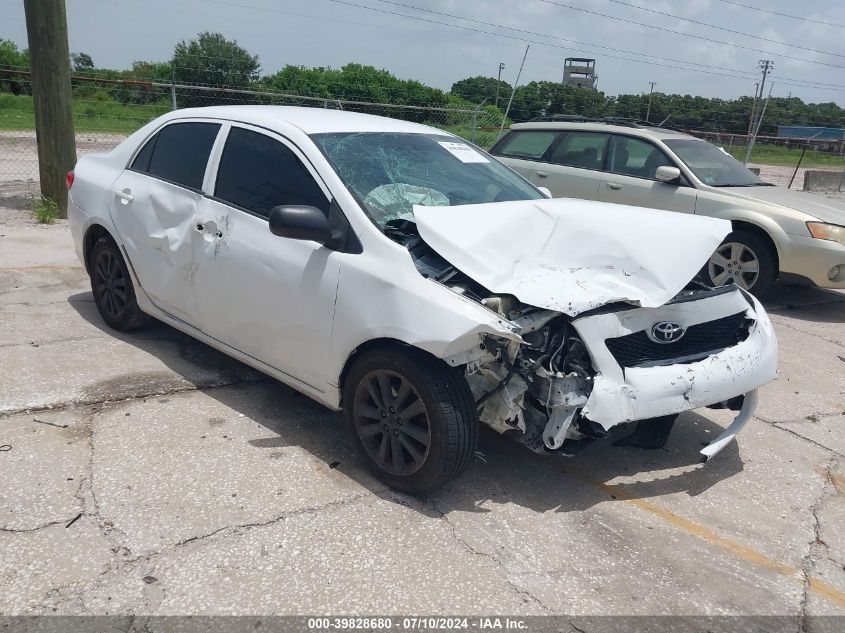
706	534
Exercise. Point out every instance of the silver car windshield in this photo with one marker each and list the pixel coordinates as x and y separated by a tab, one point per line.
713	166
390	172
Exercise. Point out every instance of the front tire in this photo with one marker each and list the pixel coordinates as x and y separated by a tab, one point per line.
745	259
114	294
412	418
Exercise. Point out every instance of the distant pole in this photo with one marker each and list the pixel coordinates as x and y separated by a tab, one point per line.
766	66
651	84
513	92
757	129
172	89
753	111
46	28
499	82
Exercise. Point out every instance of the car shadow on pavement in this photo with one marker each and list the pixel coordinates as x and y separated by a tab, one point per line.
600	473
502	471
805	303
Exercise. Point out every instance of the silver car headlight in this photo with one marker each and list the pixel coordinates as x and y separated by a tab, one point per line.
823	231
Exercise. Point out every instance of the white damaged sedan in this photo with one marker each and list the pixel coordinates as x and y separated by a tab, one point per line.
396	272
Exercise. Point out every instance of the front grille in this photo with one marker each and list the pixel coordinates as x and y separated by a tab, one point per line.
699	341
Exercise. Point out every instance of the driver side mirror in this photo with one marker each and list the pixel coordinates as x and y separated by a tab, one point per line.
309	223
300	223
667	174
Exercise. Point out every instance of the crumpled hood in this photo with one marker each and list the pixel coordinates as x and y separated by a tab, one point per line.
825	209
572	255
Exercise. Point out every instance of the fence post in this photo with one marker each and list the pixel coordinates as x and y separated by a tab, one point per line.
46	28
172	90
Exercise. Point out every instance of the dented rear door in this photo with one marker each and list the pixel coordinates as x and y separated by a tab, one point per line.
154	204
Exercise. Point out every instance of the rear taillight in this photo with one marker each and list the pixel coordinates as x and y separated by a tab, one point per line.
69	179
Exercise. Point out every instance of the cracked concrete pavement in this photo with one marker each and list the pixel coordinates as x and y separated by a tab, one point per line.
147	474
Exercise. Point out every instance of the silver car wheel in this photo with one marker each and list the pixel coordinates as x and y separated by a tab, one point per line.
734	261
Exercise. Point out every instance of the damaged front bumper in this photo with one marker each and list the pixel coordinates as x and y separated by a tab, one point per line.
748	405
625	394
729	352
649	390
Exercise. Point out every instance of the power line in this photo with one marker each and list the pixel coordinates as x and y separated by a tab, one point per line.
723	28
592	45
783	81
554	37
783	15
746	75
698	37
483	32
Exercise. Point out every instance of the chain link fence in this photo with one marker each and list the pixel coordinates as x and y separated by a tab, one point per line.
107	110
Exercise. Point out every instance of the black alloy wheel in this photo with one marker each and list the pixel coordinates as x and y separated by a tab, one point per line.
109	284
392	422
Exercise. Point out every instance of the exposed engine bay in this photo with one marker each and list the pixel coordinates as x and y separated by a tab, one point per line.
536	389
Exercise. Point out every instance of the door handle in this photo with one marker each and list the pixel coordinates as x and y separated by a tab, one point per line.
542	174
614	185
125	196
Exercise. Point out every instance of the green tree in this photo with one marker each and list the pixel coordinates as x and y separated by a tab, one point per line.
212	60
356	82
11	61
479	89
81	62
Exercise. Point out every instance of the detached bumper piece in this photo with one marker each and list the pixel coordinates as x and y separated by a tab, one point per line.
749	404
654	433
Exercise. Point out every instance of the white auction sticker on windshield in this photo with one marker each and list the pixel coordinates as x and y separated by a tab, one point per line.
463	152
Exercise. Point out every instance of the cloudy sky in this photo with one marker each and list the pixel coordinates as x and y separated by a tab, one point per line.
413	39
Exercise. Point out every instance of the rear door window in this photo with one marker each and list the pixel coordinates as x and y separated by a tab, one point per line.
257	173
635	157
581	149
530	144
178	153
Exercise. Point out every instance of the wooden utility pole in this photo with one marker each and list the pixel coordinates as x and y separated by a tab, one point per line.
46	28
651	85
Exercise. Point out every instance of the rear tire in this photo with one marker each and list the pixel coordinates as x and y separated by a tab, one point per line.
745	259
114	294
411	416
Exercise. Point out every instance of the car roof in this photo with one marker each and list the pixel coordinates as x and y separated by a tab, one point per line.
310	120
603	126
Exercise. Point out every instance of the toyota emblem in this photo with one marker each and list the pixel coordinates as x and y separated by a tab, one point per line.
667	332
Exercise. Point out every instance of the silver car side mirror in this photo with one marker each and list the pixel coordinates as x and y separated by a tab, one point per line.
545	191
667	174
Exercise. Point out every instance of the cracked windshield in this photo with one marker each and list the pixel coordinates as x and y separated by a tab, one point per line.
389	173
